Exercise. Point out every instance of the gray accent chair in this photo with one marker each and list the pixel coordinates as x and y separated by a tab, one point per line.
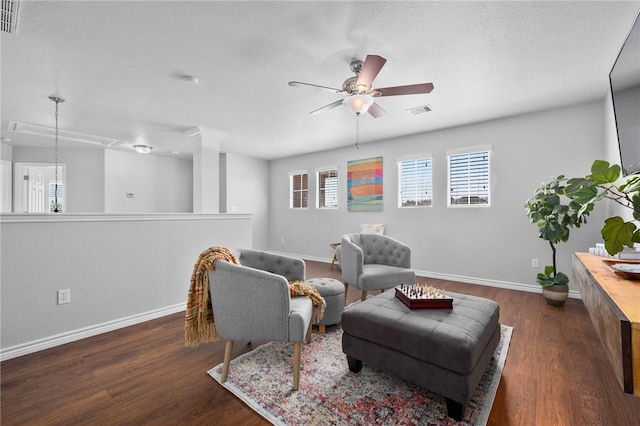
374	262
251	301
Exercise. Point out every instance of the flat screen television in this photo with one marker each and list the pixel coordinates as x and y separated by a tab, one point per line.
625	91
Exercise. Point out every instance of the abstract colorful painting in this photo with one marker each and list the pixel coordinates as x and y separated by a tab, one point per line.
364	185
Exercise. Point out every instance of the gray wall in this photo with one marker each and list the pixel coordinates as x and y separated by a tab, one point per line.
120	269
158	184
85	174
247	189
493	245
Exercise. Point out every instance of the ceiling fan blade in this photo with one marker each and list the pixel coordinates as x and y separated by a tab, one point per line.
327	107
370	69
376	111
411	89
314	86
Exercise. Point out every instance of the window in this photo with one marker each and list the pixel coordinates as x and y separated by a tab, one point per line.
469	179
414	178
299	190
327	190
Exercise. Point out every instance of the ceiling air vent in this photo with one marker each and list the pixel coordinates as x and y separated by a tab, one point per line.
10	16
419	110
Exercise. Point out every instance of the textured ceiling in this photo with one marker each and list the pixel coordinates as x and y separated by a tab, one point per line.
113	62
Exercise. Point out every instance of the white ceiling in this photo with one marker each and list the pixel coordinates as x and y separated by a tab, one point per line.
112	62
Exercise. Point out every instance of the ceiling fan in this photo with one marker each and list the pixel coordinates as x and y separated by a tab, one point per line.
357	91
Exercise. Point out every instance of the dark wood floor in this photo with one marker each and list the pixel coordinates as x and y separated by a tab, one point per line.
555	374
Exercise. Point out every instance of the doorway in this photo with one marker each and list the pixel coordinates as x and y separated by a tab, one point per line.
35	188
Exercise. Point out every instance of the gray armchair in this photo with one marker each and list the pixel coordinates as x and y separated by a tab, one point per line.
251	301
374	262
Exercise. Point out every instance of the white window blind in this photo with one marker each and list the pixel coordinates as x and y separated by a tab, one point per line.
469	179
415	183
299	190
327	189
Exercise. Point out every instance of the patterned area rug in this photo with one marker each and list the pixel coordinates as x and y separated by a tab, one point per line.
330	394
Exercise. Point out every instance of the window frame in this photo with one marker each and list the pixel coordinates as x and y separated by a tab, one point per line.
415	158
486	177
318	172
303	191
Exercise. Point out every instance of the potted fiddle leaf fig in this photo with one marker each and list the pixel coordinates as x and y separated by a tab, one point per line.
601	183
554	213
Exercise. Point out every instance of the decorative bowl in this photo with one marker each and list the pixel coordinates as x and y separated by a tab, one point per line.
630	271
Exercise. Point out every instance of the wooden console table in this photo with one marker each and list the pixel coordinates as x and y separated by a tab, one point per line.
613	304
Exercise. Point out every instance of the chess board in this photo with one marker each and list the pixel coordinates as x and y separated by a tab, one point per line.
417	297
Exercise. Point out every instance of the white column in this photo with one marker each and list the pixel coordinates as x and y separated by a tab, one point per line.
206	169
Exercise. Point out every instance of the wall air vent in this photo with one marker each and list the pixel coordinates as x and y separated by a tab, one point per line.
37	129
10	16
419	110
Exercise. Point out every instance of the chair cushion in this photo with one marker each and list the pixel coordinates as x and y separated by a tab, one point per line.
378	277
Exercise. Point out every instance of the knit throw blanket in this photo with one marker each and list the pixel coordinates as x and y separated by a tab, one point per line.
199	324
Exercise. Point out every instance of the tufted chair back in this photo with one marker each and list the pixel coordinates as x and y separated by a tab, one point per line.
375	262
289	267
382	250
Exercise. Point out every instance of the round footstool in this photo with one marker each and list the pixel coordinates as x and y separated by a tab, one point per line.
333	293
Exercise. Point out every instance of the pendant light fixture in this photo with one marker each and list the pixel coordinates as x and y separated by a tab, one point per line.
57	207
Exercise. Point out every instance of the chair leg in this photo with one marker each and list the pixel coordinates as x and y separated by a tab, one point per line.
346	288
363	297
307	337
297	352
227	360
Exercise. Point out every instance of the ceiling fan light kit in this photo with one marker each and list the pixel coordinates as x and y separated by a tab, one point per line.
359	91
359	103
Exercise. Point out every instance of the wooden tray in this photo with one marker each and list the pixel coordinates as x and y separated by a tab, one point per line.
424	303
627	275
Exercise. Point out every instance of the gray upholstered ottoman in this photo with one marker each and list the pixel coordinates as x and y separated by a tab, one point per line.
445	351
333	293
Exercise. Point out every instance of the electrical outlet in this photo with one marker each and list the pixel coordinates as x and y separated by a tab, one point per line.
535	263
64	296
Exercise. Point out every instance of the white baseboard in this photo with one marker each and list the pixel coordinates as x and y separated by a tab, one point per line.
82	333
531	288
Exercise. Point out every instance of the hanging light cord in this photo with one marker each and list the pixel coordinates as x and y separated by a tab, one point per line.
56	206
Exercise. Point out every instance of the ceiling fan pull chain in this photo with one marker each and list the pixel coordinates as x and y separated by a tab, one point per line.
358	131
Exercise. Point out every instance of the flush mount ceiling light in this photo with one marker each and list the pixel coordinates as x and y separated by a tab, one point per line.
142	149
